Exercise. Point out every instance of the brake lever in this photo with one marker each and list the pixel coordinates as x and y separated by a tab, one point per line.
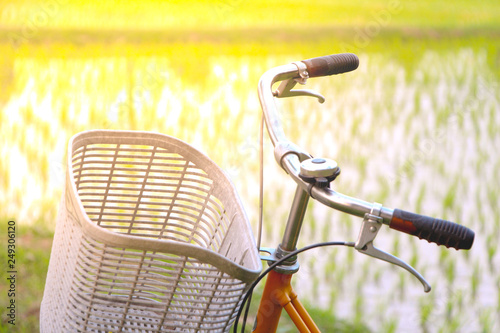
372	223
286	86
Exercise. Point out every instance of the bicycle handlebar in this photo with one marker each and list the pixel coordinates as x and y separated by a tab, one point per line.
441	232
434	230
331	64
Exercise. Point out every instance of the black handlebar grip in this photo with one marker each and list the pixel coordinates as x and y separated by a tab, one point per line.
331	64
433	230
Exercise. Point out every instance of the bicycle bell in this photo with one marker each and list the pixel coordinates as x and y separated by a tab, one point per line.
319	171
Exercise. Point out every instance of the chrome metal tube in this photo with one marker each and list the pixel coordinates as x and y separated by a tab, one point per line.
295	219
331	198
348	204
266	98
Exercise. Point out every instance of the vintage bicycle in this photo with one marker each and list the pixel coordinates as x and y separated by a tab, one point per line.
152	237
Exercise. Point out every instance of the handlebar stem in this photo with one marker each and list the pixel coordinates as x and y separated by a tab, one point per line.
295	219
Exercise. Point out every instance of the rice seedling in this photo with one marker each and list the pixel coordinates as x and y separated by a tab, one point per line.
498	295
453	325
475	280
359	305
426	310
330	266
487	323
402	283
492	248
390	326
450	270
395	248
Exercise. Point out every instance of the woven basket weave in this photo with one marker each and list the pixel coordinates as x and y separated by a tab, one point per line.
150	237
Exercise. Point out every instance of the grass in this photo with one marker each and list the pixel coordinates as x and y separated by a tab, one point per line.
33	245
413	127
242	14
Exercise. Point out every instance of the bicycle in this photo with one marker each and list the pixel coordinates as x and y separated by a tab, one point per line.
313	177
152	237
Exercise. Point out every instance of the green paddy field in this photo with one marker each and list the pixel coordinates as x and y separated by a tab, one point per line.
416	127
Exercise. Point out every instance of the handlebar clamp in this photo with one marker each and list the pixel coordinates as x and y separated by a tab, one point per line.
284	148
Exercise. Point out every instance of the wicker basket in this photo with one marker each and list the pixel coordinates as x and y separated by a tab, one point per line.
151	237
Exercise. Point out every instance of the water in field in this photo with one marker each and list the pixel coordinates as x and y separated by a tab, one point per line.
421	136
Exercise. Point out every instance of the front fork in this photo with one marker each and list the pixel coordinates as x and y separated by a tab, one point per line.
278	295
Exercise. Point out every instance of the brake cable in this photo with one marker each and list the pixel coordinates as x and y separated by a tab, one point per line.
248	295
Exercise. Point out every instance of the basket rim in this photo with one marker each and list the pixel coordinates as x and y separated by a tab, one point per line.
75	207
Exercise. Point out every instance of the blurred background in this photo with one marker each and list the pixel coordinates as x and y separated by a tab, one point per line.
416	127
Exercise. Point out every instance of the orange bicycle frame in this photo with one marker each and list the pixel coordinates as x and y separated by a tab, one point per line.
278	295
